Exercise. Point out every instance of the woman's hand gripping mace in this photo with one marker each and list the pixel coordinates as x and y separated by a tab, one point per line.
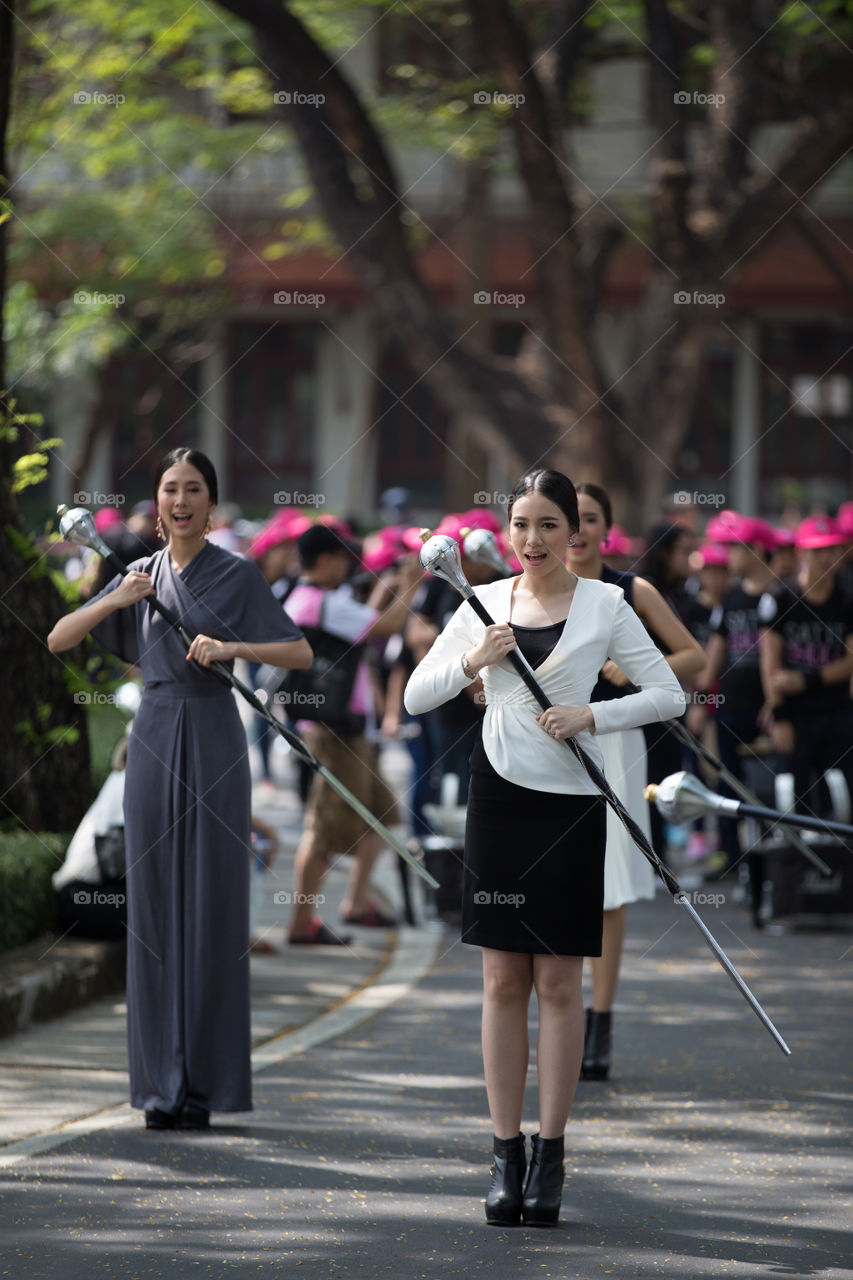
78	526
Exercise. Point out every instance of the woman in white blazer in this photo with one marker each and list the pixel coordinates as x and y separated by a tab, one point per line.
534	845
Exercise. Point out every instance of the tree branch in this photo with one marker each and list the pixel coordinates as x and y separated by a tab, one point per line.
814	147
359	196
553	200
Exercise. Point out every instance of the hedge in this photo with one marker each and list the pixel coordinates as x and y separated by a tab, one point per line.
27	897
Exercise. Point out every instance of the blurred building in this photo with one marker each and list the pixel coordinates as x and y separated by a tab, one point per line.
298	396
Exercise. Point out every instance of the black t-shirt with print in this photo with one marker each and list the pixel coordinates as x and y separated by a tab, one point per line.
812	636
736	620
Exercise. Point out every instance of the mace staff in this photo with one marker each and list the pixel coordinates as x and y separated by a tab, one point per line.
482	545
682	797
78	526
439	555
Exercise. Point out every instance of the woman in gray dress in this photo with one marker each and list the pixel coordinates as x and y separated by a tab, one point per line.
187	800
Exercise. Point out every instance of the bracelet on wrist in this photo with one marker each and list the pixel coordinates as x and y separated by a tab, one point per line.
471	675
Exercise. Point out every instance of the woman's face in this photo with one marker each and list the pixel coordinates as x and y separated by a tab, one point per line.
593	529
183	502
539	533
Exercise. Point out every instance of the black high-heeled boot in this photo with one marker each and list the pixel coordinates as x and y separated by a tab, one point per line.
544	1191
503	1203
597	1046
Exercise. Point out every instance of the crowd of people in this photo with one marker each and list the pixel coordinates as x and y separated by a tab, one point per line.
744	634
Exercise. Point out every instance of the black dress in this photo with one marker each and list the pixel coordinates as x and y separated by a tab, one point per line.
534	860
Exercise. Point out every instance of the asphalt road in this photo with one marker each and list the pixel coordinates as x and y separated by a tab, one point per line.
708	1154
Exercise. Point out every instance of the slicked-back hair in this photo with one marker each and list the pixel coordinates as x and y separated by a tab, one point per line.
554	486
196	459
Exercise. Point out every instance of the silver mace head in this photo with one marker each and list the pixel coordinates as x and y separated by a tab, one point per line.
681	798
439	555
482	545
78	525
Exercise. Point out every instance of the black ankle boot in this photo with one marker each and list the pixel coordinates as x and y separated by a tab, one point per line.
596	1050
503	1203
544	1190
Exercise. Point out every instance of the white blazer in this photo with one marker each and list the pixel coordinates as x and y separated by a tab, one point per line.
601	625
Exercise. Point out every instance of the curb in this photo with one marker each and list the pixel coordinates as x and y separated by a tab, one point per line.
45	979
414	953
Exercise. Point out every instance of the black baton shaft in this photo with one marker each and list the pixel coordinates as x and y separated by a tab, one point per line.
823	825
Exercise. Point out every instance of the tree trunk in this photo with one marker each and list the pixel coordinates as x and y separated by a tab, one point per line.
44	748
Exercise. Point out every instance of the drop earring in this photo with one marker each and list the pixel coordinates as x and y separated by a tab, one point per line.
159	530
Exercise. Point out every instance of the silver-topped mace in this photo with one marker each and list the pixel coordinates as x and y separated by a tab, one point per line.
440	556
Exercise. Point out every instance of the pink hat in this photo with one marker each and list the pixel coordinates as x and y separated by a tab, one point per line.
382	548
714	554
483	518
722	527
819	531
284	527
106	518
452	525
411	538
729	527
784	537
845	519
339	526
616	542
755	530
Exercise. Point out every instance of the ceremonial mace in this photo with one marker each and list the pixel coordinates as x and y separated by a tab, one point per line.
78	526
482	545
681	797
439	555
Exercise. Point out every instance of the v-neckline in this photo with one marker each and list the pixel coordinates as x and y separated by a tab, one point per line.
514	583
179	573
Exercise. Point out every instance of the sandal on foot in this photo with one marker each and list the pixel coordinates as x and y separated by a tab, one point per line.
320	935
372	918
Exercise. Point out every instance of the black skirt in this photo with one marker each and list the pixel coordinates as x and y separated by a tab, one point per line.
534	867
